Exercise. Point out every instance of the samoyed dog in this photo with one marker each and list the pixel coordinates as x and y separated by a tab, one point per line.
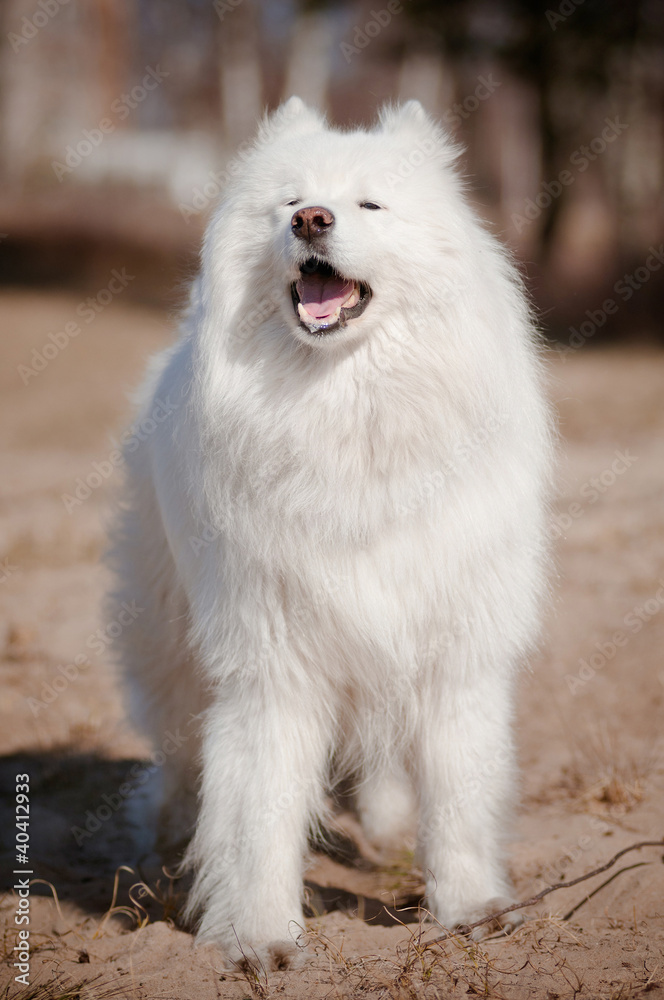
335	529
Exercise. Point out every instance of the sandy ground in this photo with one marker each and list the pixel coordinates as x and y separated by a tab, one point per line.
590	713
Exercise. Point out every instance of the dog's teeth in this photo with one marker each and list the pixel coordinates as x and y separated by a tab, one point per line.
353	298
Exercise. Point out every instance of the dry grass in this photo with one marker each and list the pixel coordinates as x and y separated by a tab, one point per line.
95	988
459	968
606	777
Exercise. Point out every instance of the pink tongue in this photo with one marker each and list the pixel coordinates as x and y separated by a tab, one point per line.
322	296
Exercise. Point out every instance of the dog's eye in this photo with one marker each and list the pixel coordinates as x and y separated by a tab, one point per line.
289	204
370	204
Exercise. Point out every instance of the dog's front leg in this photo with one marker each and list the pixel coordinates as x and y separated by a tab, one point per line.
265	749
465	776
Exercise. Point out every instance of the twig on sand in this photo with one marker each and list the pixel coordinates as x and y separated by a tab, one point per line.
627	868
466	928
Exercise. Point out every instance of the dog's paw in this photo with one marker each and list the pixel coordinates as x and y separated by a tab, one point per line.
506	922
273	956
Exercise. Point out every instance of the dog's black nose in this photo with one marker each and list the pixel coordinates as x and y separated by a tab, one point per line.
310	223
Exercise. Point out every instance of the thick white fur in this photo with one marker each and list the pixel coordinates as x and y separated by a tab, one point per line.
338	543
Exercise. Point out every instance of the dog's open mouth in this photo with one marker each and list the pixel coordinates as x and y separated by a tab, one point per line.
324	300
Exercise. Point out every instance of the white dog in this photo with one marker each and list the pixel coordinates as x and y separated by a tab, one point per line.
335	528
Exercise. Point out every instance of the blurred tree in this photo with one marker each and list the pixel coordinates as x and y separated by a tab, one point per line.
573	53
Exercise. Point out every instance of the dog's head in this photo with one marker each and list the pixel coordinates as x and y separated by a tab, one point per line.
339	230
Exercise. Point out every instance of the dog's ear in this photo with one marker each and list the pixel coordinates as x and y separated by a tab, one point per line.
393	117
293	117
411	122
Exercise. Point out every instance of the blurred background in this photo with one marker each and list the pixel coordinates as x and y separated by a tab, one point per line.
118	117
